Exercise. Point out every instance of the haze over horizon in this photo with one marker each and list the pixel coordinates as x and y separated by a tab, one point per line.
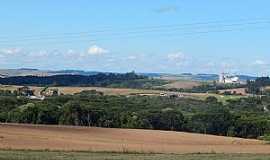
161	36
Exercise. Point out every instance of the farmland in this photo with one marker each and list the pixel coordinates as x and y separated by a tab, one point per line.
91	108
67	138
185	84
120	91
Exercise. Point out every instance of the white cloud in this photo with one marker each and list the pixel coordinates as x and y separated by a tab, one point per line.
179	56
178	59
259	62
10	51
96	50
38	54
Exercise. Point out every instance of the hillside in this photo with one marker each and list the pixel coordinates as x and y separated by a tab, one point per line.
36	72
100	79
166	76
15	136
199	77
184	84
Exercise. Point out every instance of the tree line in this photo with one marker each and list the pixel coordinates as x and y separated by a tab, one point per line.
100	79
257	87
245	117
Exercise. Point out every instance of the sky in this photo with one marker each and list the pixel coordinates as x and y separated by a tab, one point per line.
161	36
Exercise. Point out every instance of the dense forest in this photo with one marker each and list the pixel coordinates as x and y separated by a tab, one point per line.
101	80
245	117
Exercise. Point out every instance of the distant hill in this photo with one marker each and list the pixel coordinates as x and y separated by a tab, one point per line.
183	76
74	72
22	72
98	80
194	77
36	72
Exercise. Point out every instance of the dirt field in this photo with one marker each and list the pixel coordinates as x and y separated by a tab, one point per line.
182	84
14	136
13	87
241	91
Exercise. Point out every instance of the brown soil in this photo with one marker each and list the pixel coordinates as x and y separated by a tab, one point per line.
182	84
41	137
241	91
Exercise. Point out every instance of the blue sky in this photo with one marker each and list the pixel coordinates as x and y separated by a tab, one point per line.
172	36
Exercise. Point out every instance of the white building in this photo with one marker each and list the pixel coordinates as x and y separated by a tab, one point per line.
227	79
3	76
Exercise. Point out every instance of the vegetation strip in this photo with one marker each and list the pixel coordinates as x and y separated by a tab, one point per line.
47	155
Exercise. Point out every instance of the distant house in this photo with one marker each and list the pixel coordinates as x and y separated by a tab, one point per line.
171	95
25	91
163	94
37	97
50	92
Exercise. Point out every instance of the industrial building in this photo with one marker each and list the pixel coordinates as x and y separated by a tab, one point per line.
228	79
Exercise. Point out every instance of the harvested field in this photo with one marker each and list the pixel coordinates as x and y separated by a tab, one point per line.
13	87
182	84
241	91
122	91
66	138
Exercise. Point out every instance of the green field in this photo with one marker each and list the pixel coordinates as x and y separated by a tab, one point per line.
44	155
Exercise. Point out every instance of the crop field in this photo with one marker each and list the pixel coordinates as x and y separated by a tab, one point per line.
185	84
67	138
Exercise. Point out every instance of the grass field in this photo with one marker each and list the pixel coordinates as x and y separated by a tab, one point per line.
46	155
70	138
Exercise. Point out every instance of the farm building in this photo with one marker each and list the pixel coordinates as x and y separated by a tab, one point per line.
50	92
25	91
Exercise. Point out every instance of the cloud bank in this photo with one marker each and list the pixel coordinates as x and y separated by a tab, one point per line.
96	50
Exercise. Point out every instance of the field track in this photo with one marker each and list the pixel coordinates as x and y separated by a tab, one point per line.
67	138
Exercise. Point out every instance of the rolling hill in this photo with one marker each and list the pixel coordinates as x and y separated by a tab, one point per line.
67	138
